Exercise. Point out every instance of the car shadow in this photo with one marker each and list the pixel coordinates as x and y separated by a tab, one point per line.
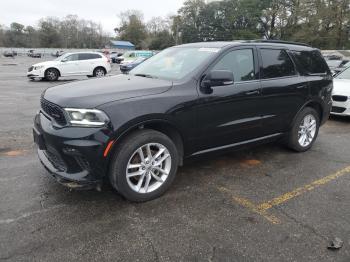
343	119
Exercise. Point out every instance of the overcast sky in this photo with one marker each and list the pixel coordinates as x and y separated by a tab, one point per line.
101	11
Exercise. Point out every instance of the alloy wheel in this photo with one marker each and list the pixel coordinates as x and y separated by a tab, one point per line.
51	75
100	73
148	168
307	130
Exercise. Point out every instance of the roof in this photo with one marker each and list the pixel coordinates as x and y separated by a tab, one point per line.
224	44
122	43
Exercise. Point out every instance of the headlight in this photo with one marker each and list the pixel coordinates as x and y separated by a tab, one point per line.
86	117
38	67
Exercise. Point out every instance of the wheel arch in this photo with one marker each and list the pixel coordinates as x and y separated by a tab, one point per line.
53	67
313	104
317	106
161	125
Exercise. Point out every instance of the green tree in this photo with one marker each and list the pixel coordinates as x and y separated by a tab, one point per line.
49	33
132	28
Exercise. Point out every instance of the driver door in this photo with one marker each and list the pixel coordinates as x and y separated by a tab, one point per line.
232	113
70	65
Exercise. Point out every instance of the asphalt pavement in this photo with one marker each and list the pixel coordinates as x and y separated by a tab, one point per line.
261	204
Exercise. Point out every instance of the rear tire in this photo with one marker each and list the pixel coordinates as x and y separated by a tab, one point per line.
304	131
144	165
51	74
99	72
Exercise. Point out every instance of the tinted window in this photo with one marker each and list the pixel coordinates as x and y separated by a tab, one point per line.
310	62
240	62
88	56
73	57
276	63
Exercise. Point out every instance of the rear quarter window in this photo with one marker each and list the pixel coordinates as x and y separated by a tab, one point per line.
310	62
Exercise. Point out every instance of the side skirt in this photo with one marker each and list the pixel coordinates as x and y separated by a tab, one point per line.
237	144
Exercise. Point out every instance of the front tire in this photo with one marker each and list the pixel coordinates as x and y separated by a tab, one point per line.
304	131
144	165
51	74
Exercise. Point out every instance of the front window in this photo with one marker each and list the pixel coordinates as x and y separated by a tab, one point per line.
240	63
174	63
344	75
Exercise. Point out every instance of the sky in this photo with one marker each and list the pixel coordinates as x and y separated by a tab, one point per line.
101	11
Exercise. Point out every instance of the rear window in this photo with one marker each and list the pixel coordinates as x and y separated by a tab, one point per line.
87	56
276	63
310	62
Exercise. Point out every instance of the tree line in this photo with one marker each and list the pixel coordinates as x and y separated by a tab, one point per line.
69	32
321	23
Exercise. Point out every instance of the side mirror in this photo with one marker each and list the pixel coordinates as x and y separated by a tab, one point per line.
218	78
64	60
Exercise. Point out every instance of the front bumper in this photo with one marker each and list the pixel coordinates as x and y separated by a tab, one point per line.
73	155
35	73
341	108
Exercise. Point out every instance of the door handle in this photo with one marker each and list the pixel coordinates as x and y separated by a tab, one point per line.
255	92
301	86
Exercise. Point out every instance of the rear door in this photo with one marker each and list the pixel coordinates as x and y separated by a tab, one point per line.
284	90
88	62
231	113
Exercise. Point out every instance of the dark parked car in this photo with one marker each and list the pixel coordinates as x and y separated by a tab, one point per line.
10	54
32	53
127	67
186	101
117	58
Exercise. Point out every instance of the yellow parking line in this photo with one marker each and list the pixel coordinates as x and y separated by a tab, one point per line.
301	190
262	208
251	206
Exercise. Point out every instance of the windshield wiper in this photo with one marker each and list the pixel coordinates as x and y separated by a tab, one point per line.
145	75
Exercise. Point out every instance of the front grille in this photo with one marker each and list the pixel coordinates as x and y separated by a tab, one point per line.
337	109
339	98
53	111
55	159
30	69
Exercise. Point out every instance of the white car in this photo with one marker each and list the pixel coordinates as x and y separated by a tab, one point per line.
341	94
71	64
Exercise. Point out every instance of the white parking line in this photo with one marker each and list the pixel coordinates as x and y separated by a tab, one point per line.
25	215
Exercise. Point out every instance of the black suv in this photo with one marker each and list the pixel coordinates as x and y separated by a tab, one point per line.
186	101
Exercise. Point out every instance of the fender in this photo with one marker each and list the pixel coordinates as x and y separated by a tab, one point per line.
140	122
311	102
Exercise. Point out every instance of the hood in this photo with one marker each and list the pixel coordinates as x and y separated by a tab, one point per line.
46	63
92	93
341	87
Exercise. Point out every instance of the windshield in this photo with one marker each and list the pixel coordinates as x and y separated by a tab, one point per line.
61	57
174	63
129	54
344	75
139	60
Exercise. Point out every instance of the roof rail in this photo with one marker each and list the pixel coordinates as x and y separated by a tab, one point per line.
279	42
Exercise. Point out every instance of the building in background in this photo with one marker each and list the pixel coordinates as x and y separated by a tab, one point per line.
126	45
